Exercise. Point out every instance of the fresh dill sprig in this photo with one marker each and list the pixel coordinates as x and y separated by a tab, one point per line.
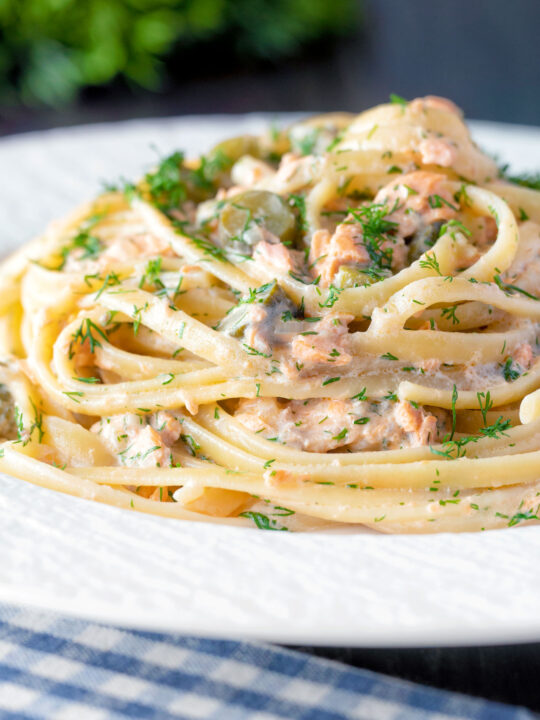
84	333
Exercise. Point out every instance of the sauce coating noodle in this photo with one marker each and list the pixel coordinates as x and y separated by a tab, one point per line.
334	323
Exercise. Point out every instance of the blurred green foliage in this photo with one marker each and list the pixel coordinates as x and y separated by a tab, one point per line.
50	49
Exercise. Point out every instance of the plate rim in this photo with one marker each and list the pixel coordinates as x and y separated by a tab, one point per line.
516	629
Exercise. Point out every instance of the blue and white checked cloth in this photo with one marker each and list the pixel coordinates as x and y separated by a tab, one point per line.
62	669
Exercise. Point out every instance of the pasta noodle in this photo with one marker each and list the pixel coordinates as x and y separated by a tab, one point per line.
333	323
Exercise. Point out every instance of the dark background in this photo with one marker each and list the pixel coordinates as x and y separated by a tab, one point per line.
503	673
484	54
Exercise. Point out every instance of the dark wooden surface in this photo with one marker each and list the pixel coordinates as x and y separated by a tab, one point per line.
485	54
509	674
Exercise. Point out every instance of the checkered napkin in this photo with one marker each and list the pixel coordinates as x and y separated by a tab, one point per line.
63	669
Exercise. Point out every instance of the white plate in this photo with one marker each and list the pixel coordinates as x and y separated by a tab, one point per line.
356	589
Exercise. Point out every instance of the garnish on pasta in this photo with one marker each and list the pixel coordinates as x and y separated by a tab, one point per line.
336	322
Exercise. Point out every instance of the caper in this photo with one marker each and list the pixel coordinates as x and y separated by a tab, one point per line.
424	239
350	276
273	145
234	148
271	297
346	277
246	214
235	321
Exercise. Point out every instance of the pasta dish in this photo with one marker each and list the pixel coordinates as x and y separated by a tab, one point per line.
337	322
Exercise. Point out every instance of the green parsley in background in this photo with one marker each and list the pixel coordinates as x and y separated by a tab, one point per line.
51	49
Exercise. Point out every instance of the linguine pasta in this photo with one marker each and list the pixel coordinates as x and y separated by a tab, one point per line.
336	323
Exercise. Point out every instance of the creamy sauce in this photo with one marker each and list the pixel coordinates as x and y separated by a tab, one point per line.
122	250
327	345
525	270
416	202
140	440
326	424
